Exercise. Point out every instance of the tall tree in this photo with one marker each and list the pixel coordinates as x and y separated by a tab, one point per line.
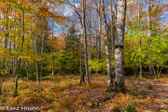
140	55
107	48
52	50
85	39
149	34
112	38
98	9
119	47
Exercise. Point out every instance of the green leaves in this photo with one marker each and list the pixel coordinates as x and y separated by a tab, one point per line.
97	64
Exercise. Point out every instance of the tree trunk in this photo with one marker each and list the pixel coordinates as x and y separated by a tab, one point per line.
149	35
112	38
119	47
16	86
89	55
99	37
107	49
140	63
73	60
42	53
36	63
82	78
85	40
52	58
14	58
23	29
99	34
80	63
27	71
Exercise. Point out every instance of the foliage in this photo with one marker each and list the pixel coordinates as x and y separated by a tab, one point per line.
66	60
99	64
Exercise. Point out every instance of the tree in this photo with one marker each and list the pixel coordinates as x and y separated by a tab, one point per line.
85	39
140	55
119	47
72	51
107	49
159	54
149	34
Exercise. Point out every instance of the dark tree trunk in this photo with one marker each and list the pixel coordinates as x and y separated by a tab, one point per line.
16	86
82	78
85	40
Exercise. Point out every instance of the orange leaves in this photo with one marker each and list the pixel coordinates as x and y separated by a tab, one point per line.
57	43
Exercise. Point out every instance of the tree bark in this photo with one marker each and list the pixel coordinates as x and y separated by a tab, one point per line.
42	52
82	78
119	47
90	40
27	71
85	40
52	57
36	63
98	35
140	56
112	38
99	30
149	35
107	49
80	63
16	86
23	29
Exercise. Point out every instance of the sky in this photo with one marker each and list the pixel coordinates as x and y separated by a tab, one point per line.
68	11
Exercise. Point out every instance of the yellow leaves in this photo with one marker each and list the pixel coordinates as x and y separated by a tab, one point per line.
21	57
3	71
26	7
29	57
26	0
102	12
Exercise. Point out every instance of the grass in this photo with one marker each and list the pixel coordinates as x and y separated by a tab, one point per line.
55	95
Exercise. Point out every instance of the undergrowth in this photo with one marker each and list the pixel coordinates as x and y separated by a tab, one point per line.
64	94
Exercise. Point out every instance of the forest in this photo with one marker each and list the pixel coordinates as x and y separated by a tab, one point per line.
83	55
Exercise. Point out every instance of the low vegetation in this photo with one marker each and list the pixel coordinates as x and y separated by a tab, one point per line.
66	95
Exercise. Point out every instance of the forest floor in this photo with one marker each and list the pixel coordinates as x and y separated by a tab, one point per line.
64	94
